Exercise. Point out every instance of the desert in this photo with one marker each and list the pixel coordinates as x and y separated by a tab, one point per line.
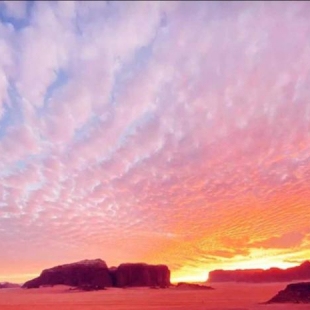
91	285
225	296
154	155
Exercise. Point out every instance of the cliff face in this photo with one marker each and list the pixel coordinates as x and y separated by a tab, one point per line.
94	275
90	273
142	275
301	272
293	293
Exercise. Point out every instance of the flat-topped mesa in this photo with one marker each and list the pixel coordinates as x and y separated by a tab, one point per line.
141	274
87	273
301	272
94	275
293	293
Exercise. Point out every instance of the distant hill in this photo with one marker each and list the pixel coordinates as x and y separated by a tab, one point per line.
8	285
297	273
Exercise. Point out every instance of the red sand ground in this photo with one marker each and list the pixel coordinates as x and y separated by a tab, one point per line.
225	296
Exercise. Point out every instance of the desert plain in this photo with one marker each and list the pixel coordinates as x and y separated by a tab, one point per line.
228	296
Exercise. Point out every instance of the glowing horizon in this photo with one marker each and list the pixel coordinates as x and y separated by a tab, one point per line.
169	133
197	276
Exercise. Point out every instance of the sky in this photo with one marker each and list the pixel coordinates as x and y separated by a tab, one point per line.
162	132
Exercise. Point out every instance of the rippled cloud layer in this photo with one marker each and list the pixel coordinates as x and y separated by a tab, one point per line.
166	132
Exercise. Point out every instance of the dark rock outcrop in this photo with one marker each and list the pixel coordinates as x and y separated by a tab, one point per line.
90	287
192	286
301	272
140	274
112	271
95	275
293	293
8	285
88	273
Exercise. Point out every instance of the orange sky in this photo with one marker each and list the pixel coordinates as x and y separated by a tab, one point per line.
163	132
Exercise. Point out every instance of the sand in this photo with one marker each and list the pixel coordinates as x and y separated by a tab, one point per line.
225	296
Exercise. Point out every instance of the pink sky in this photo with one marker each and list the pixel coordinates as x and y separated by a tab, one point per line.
164	132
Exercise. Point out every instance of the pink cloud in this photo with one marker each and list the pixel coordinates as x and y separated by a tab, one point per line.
16	10
18	143
180	126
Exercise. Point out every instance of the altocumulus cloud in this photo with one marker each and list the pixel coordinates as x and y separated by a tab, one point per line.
172	132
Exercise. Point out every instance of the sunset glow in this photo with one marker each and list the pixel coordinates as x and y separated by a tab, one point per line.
172	133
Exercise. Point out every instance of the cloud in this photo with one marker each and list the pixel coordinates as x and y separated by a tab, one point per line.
180	127
15	10
288	240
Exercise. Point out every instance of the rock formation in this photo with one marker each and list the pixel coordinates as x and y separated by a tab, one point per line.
88	273
293	293
141	274
191	286
301	272
8	285
94	275
112	271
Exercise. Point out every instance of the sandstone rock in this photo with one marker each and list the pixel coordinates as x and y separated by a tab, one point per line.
87	273
94	275
140	274
112	271
191	286
293	293
301	272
